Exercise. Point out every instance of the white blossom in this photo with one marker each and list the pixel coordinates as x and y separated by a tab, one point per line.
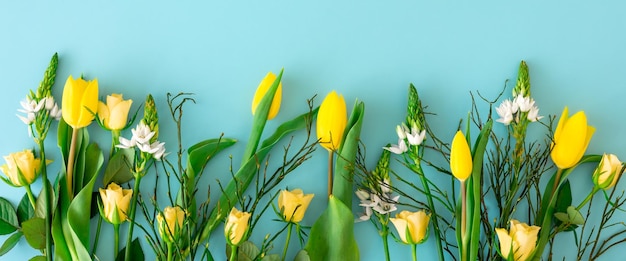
416	137
142	134
533	114
398	149
126	144
29	119
506	111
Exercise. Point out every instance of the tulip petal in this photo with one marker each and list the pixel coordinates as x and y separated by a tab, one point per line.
460	157
262	89
331	121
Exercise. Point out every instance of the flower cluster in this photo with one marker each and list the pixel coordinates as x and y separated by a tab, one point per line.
31	108
383	203
142	135
510	111
414	137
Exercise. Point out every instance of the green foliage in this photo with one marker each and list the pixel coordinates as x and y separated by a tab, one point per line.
34	231
8	218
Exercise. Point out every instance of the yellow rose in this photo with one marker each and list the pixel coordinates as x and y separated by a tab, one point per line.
331	121
22	168
571	138
236	226
460	157
411	226
114	114
519	242
293	204
116	202
80	102
174	218
608	172
264	86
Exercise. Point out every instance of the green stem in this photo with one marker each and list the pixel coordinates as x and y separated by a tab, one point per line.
233	253
70	164
133	205
170	251
414	251
115	139
431	205
384	234
95	242
593	192
31	198
330	172
116	242
287	241
46	194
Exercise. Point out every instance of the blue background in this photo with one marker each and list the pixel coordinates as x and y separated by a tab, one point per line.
366	50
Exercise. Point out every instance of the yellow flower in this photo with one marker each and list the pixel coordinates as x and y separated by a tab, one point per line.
411	226
331	121
519	242
80	102
264	86
293	204
116	202
608	172
22	168
236	226
571	139
114	114
460	157
174	218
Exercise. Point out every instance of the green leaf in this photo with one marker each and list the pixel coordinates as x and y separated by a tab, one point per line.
246	173
118	170
34	231
38	258
272	257
25	210
10	242
302	256
344	167
332	235
574	216
246	251
135	251
8	217
40	205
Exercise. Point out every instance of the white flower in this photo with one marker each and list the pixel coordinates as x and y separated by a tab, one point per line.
506	111
401	130
49	102
142	134
56	112
364	196
524	103
416	137
385	205
31	106
126	144
385	187
398	149
160	150
533	114
29	119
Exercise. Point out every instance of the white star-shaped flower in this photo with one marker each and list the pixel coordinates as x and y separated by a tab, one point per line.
416	137
397	149
29	119
506	111
524	103
386	205
126	144
31	106
142	134
533	114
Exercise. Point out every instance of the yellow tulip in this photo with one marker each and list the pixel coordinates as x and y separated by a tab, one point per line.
411	226
293	204
571	139
460	157
22	168
80	102
116	202
114	114
331	121
236	226
608	172
171	223
520	241
264	86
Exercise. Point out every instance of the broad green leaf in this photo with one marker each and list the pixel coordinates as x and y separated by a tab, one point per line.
302	256
34	231
271	257
8	217
246	173
332	235
135	251
62	244
25	210
344	167
10	242
40	209
38	258
117	169
246	251
574	216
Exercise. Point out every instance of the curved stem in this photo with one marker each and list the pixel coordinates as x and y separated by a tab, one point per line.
593	192
414	251
31	198
431	205
233	253
116	242
70	164
133	206
287	242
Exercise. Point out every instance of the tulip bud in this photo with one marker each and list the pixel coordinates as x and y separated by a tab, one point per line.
331	121
608	172
460	157
293	204
114	114
264	86
174	218
80	102
519	242
236	226
116	202
22	168
571	138
411	226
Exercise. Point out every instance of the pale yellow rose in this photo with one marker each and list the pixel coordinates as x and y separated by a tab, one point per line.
114	114
519	242
236	226
411	226
116	202
22	168
174	218
293	204
608	172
